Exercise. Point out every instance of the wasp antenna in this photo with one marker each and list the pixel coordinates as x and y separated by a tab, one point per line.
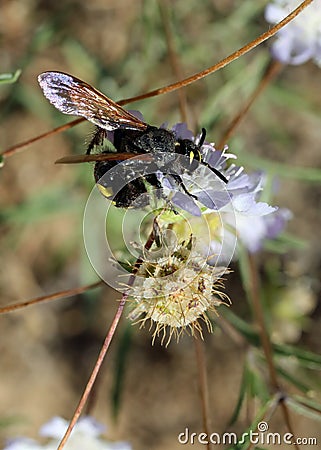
219	175
202	138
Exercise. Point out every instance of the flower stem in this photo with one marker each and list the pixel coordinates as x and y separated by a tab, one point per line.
18	147
105	347
203	388
95	372
265	339
224	62
54	296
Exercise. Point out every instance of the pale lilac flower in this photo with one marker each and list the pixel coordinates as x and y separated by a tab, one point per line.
23	444
240	192
254	226
181	131
300	40
242	216
246	219
85	436
57	426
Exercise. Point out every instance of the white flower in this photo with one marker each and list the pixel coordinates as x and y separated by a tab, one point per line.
253	230
300	40
85	436
175	291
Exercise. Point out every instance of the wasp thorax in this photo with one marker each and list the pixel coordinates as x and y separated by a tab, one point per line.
156	140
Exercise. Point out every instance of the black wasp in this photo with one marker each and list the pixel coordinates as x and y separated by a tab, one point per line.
156	147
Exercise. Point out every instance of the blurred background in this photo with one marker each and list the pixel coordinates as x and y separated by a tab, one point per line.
146	394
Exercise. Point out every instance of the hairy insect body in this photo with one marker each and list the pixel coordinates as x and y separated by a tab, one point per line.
127	181
164	147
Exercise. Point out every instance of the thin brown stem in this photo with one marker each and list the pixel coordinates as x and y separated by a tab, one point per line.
203	388
105	347
18	147
287	420
265	339
259	318
185	82
46	298
95	371
224	62
272	71
229	330
174	61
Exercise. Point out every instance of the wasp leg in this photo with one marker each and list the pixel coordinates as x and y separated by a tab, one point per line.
178	179
98	139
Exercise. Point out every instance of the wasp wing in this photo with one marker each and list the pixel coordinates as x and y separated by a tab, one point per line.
112	156
73	96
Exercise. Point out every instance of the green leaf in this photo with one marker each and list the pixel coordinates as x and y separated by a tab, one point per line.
244	269
307	359
256	384
292	99
303	409
240	399
13	420
285	242
309	174
242	327
309	402
245	437
293	380
9	78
